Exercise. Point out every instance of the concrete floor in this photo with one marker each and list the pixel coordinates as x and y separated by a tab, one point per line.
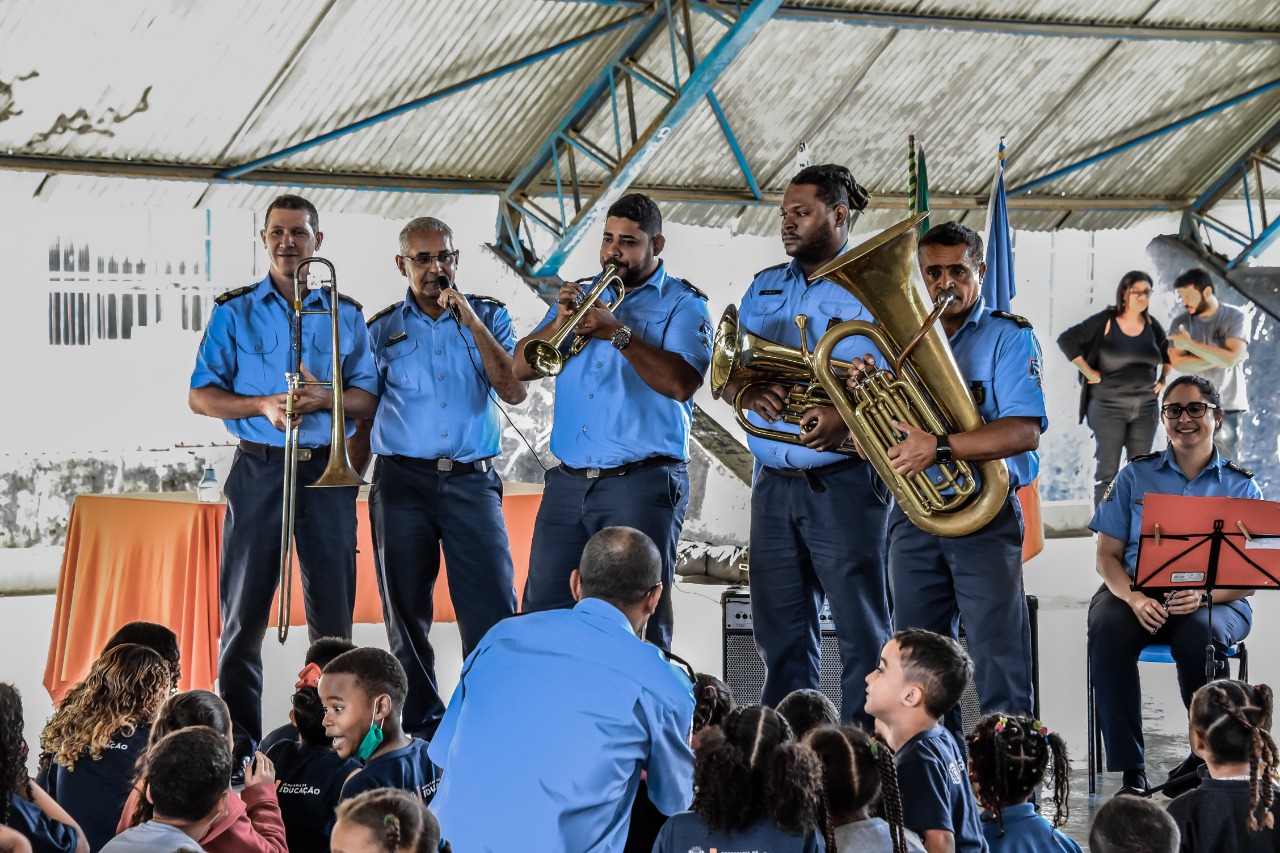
1062	577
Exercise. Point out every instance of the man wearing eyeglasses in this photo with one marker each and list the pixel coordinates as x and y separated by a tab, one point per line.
441	356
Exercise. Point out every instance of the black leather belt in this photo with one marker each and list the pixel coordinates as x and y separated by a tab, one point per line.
621	470
276	454
814	475
479	466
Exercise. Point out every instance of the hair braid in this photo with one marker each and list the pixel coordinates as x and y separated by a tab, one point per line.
1234	719
828	825
391	832
890	795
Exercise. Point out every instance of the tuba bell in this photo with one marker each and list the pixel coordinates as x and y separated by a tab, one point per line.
925	389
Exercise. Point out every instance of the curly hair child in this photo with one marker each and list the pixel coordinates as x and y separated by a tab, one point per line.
24	805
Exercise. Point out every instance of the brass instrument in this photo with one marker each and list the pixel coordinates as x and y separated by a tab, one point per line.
741	356
926	388
338	471
544	356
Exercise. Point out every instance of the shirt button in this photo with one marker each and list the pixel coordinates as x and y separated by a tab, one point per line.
806	296
444	405
591	396
588	458
599	364
444	435
437	352
584	429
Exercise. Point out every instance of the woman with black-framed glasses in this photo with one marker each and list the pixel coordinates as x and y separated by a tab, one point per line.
1123	358
1122	620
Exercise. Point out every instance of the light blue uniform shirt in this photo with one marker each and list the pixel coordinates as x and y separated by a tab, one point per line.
769	310
1001	363
605	414
554	717
1119	515
434	399
247	349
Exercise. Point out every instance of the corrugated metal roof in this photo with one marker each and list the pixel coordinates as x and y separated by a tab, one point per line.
220	84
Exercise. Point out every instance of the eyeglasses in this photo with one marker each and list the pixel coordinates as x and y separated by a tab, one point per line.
425	260
1173	411
1136	292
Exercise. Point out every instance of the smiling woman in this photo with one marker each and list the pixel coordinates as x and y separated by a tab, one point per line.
1123	620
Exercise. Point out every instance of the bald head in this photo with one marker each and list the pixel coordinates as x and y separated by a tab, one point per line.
620	565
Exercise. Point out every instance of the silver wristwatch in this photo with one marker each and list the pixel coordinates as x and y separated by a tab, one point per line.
622	338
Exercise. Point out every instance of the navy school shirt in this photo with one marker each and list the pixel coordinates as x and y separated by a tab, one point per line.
45	834
287	732
687	832
94	792
309	783
934	782
409	769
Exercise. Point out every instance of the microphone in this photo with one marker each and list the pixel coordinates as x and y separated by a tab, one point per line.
445	284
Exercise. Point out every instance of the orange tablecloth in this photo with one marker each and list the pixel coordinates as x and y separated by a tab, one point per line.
156	557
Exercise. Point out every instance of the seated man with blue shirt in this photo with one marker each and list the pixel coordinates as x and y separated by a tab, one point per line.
938	580
623	410
240	377
558	713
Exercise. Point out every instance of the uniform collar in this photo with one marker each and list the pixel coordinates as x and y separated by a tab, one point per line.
604	610
1168	460
794	271
974	315
658	279
266	287
411	306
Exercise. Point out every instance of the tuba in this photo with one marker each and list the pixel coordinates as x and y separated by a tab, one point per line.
926	388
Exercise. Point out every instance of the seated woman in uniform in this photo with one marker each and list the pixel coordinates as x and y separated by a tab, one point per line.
1123	620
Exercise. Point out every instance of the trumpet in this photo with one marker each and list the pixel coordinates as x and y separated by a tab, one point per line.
338	471
544	356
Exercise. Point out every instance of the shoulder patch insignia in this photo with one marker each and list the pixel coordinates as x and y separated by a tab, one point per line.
232	294
1023	322
696	291
1155	455
767	269
384	312
344	298
1239	469
1110	492
399	336
475	297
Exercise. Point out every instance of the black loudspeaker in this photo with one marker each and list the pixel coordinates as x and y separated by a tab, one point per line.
744	670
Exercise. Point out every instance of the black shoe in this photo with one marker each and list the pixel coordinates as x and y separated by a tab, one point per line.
1134	784
1185	777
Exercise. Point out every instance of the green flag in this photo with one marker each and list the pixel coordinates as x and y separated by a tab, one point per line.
917	182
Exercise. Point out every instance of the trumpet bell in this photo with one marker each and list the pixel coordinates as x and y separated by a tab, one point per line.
724	351
544	358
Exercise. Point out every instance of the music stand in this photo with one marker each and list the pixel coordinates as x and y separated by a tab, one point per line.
1189	542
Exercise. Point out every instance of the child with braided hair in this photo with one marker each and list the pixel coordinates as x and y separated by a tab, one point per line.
386	820
713	700
1009	757
857	772
1236	807
755	788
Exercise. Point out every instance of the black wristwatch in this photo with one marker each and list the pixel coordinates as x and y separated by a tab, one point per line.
943	453
622	338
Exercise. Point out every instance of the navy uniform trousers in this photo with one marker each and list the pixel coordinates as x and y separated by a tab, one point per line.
939	580
325	541
807	543
574	508
415	510
1116	638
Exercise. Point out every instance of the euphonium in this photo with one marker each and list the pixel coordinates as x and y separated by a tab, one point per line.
926	388
544	356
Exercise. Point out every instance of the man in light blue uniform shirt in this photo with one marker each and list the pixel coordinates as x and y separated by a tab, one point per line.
622	412
558	713
240	377
436	432
938	580
817	516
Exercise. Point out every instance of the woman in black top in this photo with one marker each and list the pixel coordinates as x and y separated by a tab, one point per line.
1123	359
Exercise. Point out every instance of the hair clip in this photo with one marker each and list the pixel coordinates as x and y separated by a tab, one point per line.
1040	728
1000	723
387	819
875	749
309	677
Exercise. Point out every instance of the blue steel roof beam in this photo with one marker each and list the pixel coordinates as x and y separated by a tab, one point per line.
647	77
1258	246
431	98
590	149
697	87
1144	138
1221	185
1233	234
738	154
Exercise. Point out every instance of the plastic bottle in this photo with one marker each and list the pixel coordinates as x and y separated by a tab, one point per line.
209	491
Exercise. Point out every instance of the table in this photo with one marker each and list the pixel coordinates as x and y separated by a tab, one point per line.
155	557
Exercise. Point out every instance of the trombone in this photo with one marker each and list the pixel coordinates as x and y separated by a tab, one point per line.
338	471
544	356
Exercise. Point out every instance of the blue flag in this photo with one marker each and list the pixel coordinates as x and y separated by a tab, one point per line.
998	288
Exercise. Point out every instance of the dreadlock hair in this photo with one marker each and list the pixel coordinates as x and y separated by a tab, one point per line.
1234	719
1008	759
193	708
751	767
835	186
806	709
713	700
122	691
396	820
13	750
857	769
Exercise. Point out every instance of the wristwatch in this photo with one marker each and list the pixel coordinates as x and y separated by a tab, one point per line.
622	338
943	453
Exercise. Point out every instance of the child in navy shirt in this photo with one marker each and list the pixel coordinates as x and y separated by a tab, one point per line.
921	676
96	735
363	691
318	655
309	774
24	806
1008	760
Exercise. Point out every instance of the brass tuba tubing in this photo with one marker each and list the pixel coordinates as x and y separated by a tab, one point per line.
338	471
544	356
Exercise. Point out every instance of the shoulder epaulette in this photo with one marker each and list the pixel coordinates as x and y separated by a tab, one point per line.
767	269
478	298
232	294
345	298
1239	469
697	292
1147	456
384	312
1023	322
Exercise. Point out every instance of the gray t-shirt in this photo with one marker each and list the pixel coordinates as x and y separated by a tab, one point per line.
1214	330
152	837
872	836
